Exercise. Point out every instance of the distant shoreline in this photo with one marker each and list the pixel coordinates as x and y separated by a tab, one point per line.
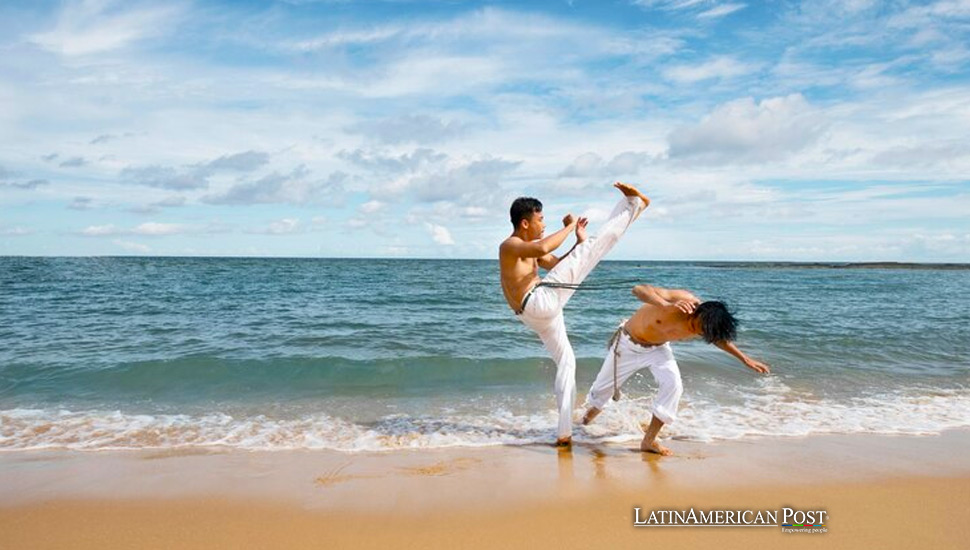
838	265
727	264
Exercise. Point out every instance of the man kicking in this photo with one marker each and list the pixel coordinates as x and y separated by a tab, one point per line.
539	303
643	342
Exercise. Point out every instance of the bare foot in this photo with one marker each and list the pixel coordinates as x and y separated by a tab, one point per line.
590	415
564	442
654	447
631	191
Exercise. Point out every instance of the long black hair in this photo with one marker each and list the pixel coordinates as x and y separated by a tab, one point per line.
717	322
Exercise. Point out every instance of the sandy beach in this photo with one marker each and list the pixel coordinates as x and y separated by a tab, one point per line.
878	491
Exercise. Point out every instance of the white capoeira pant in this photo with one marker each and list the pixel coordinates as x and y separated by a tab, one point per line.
543	305
628	357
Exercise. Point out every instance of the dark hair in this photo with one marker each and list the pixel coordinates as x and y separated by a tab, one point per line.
522	208
717	322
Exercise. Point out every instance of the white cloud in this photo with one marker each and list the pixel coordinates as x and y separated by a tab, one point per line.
94	26
132	246
150	229
284	227
440	234
721	11
159	229
15	231
744	131
295	187
591	165
370	207
718	67
81	203
421	129
671	5
100	230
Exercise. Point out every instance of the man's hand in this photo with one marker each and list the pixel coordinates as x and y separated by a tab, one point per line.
581	229
757	366
568	220
686	306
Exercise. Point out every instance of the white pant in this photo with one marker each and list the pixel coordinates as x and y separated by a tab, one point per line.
631	357
543	312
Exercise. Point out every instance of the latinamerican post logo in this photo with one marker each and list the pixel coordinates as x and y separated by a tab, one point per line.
792	520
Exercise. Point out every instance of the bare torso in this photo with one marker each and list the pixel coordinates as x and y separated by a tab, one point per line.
657	324
518	275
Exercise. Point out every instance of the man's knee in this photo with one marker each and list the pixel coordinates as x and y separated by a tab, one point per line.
671	384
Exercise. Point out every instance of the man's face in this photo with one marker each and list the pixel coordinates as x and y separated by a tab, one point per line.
537	225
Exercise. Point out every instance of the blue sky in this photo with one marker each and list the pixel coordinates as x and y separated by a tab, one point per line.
761	130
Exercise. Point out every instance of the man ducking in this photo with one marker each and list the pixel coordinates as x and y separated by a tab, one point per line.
642	342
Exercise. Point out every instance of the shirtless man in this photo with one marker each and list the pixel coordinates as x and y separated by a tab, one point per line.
539	303
642	342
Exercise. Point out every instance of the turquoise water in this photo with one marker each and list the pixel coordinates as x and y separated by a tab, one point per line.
105	353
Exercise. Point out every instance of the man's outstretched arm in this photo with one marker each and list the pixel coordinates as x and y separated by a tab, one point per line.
537	249
549	261
752	364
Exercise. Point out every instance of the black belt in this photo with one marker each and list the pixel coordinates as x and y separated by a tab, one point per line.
525	299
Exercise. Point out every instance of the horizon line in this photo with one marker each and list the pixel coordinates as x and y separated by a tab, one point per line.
802	262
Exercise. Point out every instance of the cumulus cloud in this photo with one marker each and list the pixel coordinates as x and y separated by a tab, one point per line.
154	207
421	129
165	177
394	164
457	180
246	161
100	230
591	165
744	131
194	176
296	187
148	229
428	175
440	234
285	226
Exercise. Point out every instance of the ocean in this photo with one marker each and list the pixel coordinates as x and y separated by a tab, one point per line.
353	355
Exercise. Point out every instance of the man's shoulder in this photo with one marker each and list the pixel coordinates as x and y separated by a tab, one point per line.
508	243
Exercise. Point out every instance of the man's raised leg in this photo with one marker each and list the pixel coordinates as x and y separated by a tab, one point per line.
574	268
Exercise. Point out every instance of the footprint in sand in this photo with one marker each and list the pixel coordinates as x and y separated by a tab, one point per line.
442	468
336	476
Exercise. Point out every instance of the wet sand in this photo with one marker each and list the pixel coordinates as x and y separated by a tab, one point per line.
878	491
